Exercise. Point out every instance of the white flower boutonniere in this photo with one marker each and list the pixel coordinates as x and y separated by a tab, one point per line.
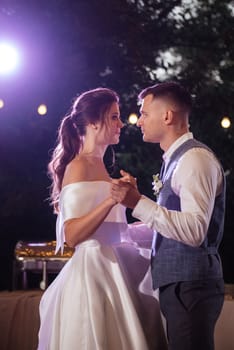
157	185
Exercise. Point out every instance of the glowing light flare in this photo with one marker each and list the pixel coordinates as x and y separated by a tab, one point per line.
1	103
225	122
42	109
133	118
9	58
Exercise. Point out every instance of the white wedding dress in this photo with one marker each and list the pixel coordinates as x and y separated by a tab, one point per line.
95	302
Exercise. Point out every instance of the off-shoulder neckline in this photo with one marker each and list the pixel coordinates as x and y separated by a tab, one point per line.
87	182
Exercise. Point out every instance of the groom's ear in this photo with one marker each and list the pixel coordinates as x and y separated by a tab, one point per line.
169	116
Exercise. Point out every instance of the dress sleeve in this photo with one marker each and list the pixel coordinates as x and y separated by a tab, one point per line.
78	199
74	202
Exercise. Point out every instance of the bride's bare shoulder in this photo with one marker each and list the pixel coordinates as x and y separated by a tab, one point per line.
77	170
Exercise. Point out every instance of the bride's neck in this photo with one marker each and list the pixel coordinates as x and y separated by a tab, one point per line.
93	153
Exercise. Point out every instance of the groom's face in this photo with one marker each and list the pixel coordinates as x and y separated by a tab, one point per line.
151	121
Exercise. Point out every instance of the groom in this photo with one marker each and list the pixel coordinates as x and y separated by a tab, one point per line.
188	219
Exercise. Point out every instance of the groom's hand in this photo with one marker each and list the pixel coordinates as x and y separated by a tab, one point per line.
124	190
126	177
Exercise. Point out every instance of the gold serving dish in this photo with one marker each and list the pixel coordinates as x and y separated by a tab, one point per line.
41	250
37	257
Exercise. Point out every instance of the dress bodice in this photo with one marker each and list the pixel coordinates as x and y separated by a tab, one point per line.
78	199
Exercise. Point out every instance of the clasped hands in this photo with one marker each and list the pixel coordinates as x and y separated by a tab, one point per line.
124	190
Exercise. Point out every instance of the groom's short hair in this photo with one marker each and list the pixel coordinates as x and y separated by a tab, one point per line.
171	90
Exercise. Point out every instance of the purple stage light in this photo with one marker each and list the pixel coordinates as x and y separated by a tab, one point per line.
9	58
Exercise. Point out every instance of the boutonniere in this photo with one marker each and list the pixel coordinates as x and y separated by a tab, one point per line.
157	185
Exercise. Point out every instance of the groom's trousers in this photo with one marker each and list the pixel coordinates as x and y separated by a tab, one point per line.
191	310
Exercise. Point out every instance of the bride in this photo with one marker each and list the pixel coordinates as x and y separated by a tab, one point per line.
95	302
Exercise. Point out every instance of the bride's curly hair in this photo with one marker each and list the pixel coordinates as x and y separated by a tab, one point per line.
90	107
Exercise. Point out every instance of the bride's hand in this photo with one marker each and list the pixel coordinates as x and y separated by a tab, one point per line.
126	177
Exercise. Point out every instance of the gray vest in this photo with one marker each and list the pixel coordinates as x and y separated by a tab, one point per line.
175	261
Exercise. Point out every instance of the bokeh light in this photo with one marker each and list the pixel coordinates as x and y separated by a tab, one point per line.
42	109
225	122
133	118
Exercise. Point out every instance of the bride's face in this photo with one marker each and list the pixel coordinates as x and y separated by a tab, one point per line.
111	128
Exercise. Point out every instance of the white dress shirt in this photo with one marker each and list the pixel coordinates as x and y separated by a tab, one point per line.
197	180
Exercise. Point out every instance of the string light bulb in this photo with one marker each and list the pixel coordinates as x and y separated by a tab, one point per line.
133	118
42	109
225	122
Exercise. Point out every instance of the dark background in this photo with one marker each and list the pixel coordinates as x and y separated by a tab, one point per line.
71	46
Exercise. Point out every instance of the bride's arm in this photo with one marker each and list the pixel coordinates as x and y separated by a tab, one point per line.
79	229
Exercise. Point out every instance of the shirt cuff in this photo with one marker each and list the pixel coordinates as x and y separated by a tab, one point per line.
144	210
